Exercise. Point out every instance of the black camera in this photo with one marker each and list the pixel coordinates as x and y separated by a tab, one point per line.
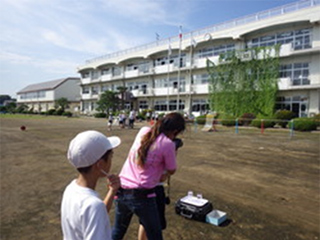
178	142
167	200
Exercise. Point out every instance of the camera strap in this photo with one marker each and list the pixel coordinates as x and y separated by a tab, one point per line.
168	186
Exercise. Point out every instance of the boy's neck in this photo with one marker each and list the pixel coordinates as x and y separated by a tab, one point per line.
87	180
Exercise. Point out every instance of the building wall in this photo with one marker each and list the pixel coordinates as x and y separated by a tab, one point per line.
69	89
43	100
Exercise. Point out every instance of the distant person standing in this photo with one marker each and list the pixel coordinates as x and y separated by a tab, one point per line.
110	122
148	115
83	214
121	120
132	117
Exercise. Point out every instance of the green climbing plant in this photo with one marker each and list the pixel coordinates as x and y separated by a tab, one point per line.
245	81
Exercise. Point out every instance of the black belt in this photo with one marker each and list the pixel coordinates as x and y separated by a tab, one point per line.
137	192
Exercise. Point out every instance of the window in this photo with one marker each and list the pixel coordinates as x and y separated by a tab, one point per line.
95	75
201	79
85	75
105	88
173	105
116	71
85	90
41	94
95	90
144	67
160	105
297	72
296	104
300	39
130	85
174	59
215	51
143	104
200	105
105	71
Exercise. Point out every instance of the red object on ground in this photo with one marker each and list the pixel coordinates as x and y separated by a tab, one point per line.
23	128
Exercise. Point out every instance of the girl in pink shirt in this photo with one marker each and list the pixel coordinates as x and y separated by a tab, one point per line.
152	153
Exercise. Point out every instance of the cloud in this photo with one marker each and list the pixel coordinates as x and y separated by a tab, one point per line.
167	12
14	58
48	65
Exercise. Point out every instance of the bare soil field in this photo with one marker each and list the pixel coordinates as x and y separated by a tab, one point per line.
268	184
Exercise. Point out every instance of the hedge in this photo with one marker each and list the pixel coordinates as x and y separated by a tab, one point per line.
228	121
284	116
100	115
268	122
201	119
303	124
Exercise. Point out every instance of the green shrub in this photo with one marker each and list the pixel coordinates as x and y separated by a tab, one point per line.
59	112
161	115
3	109
246	119
201	119
100	115
228	120
141	116
303	124
268	122
51	111
67	114
284	116
317	119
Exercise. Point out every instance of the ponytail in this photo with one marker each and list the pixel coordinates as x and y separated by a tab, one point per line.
147	141
172	122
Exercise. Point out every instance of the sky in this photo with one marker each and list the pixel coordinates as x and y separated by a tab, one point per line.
43	40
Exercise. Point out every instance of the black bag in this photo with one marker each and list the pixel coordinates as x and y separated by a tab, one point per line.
193	208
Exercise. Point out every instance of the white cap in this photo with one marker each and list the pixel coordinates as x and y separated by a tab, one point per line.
88	147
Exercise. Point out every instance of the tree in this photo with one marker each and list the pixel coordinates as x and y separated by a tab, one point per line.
4	98
122	91
22	108
62	103
11	107
108	101
241	86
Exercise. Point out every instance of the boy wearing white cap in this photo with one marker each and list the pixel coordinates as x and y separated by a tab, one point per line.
83	214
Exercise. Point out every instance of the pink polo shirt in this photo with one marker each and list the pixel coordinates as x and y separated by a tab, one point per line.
161	156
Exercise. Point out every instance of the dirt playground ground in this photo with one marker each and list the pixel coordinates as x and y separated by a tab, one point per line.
268	184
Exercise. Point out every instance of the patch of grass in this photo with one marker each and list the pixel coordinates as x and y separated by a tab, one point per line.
28	116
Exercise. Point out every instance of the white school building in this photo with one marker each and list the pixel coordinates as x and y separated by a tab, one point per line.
171	74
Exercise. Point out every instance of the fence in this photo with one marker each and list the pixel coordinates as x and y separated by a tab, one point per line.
236	126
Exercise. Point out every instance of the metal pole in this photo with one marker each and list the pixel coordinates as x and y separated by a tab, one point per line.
168	77
179	56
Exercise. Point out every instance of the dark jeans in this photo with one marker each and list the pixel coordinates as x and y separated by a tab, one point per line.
144	206
161	205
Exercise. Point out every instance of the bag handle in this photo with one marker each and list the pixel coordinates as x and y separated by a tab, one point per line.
186	215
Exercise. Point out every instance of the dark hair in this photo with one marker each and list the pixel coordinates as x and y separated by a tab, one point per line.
172	122
87	169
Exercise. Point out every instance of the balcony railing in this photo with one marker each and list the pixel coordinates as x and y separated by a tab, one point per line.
292	7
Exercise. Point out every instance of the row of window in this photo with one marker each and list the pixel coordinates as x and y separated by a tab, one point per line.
33	95
162	105
296	104
300	39
297	72
173	82
198	105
